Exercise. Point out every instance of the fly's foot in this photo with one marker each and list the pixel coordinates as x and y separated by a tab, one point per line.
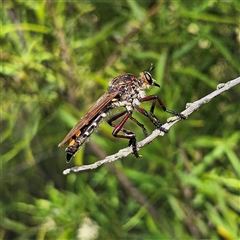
182	116
163	129
133	143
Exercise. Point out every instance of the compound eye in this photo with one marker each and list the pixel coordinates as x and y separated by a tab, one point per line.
148	77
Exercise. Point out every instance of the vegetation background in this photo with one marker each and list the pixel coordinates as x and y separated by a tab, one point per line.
57	58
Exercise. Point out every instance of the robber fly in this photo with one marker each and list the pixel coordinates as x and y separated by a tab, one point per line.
126	91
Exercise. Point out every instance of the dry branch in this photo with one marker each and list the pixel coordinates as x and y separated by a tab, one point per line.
191	107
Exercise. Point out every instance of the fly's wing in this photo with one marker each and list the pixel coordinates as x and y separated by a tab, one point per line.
102	102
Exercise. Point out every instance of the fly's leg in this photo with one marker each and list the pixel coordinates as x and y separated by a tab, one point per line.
155	98
156	122
115	117
144	130
128	134
151	115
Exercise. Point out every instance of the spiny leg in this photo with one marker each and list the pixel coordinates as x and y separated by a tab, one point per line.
116	116
156	122
151	115
128	134
156	97
144	130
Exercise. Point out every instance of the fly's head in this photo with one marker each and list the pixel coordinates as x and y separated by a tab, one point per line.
147	80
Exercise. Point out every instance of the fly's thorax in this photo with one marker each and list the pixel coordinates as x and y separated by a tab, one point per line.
129	99
136	101
122	103
124	82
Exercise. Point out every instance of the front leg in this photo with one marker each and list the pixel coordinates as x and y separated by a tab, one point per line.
155	98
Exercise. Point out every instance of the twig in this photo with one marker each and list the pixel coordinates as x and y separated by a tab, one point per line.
191	107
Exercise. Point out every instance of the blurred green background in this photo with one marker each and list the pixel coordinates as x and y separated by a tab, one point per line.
57	59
